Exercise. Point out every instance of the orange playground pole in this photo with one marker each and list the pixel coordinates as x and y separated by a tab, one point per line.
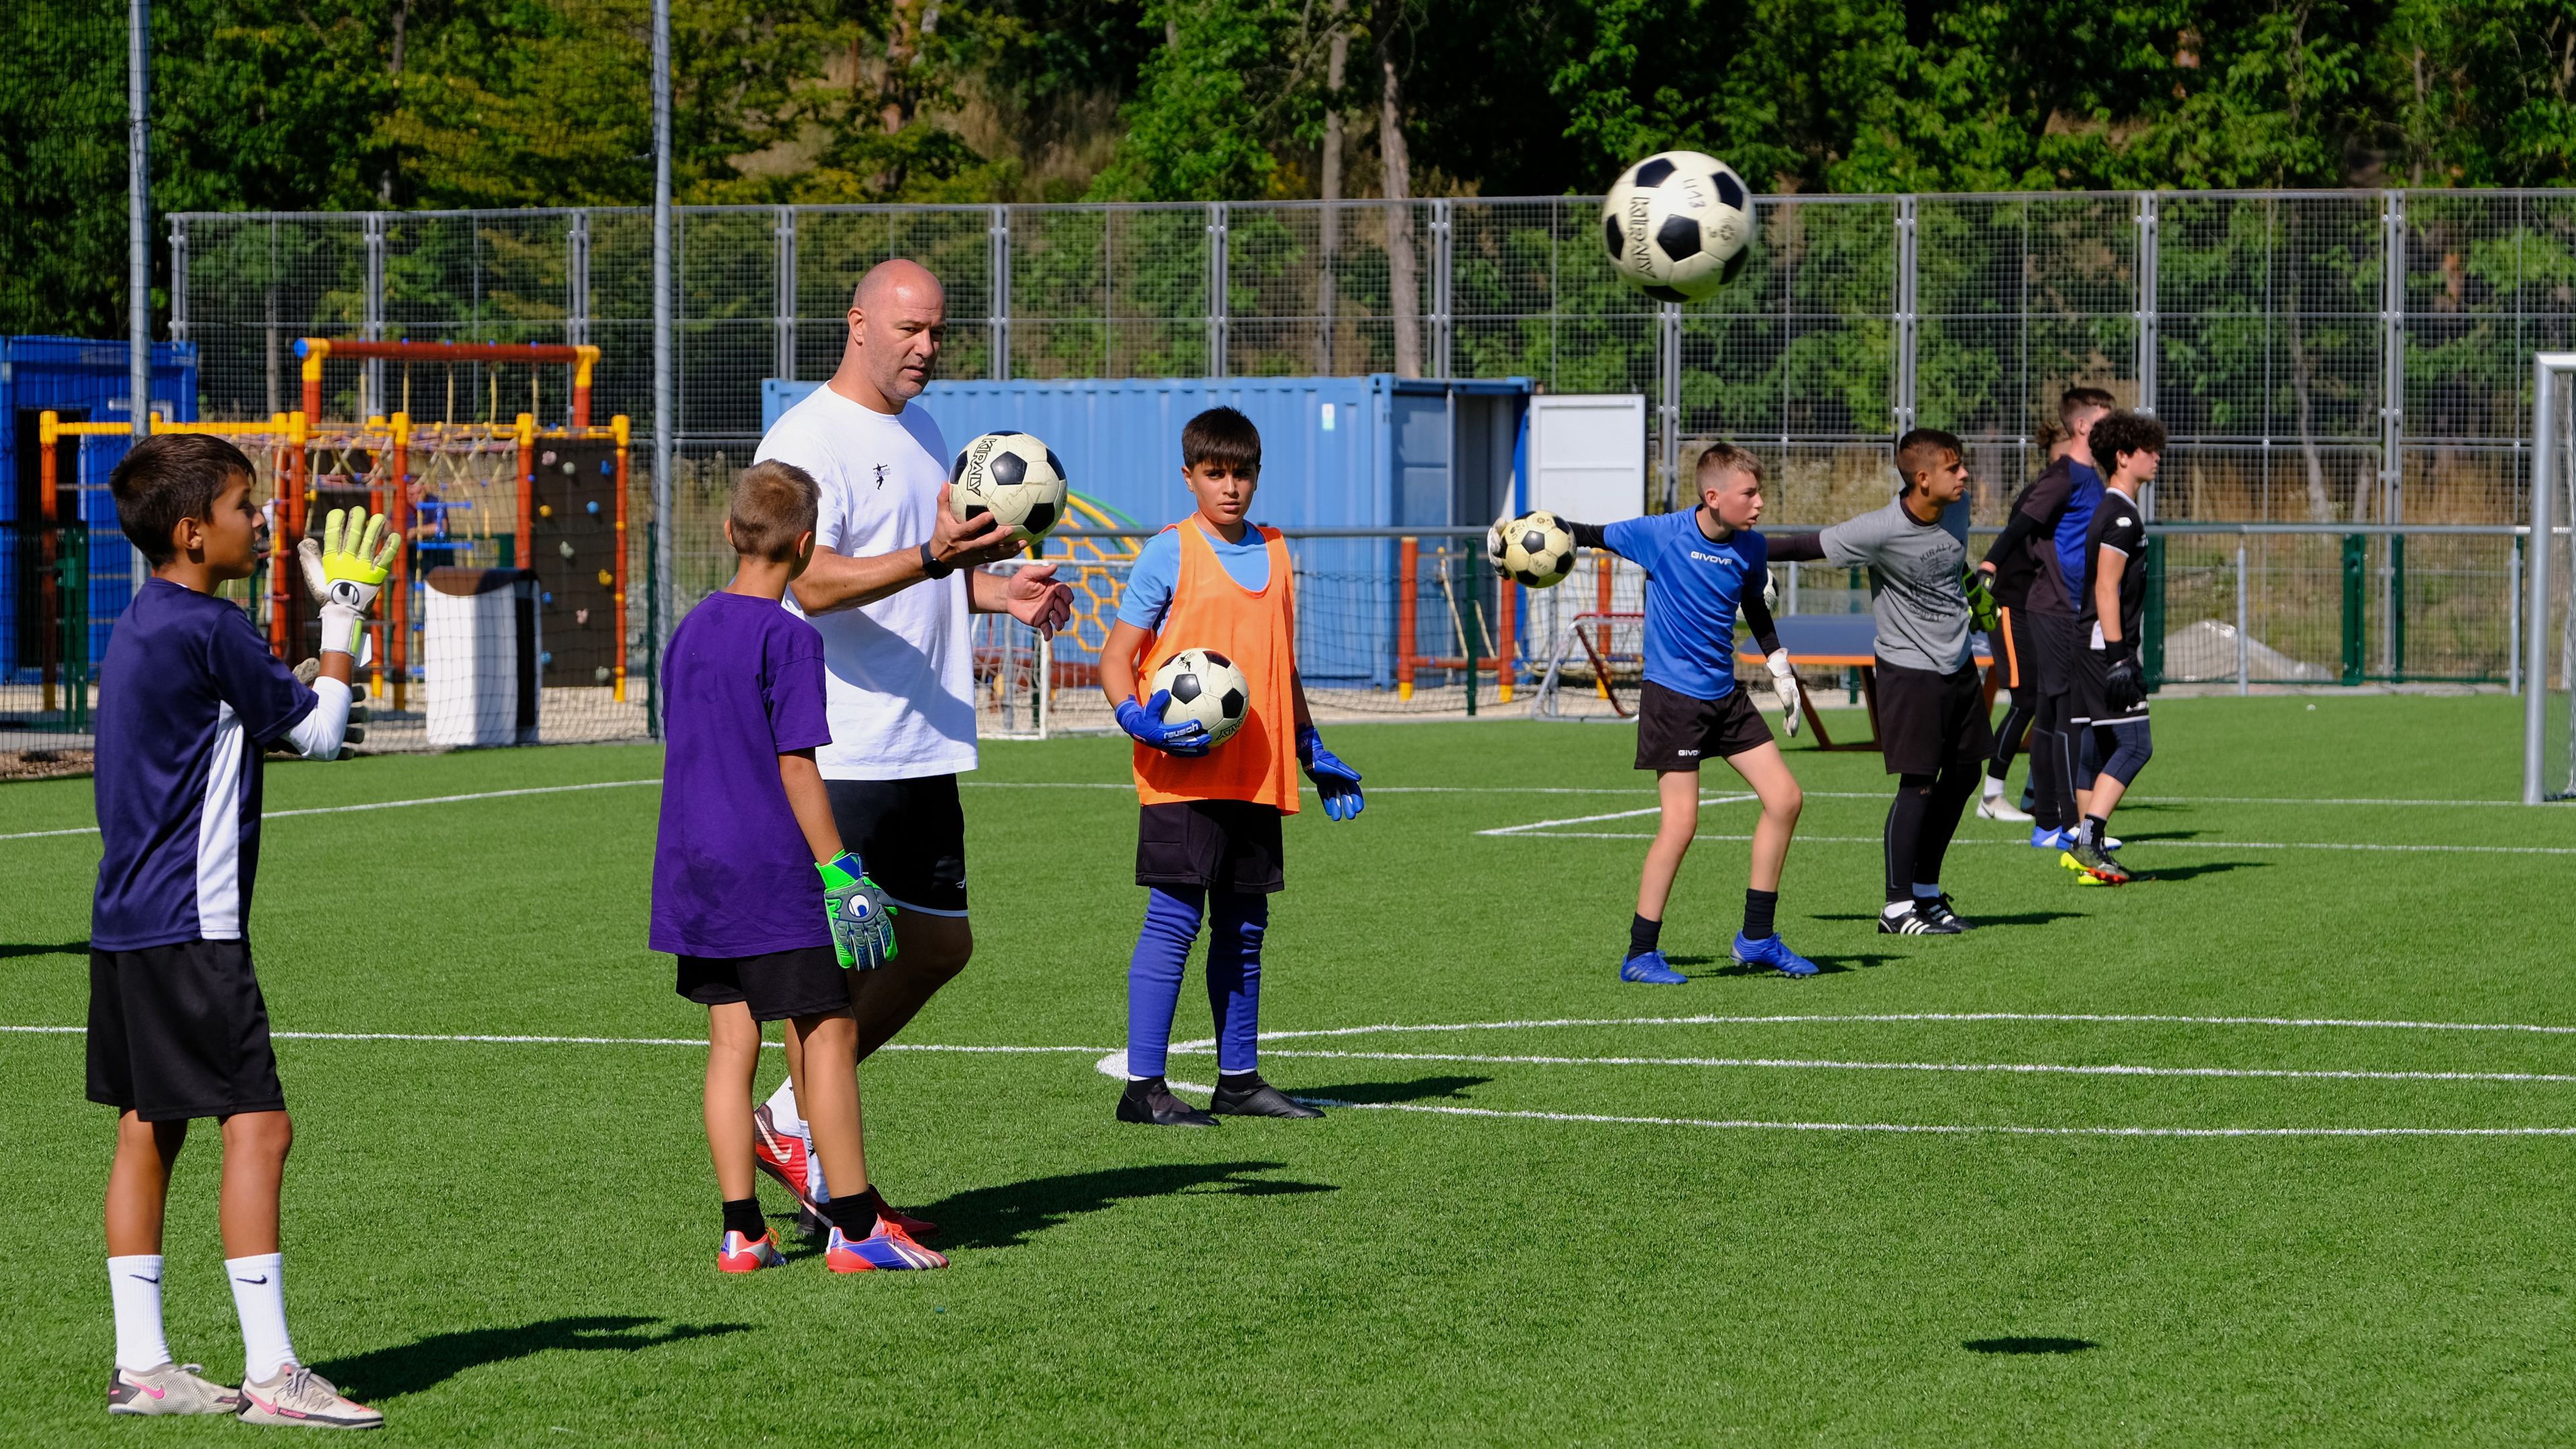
583	359
47	586
527	490
1507	622
398	630
1408	582
622	429
1602	564
289	522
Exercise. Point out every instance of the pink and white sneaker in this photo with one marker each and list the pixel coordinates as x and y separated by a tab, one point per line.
305	1399
738	1254
173	1388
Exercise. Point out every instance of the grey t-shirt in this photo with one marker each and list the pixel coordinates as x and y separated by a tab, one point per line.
1913	585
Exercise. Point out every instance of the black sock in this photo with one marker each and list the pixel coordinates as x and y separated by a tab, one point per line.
743	1216
2091	831
856	1217
1238	1081
1642	935
1759	909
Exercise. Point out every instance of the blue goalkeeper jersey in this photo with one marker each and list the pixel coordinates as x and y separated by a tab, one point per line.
1694	591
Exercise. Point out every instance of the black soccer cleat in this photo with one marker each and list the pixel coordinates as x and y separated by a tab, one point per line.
1938	909
1151	1103
1259	1100
1919	922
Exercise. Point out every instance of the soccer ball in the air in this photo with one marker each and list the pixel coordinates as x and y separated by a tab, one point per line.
1676	225
1538	551
1013	476
1205	686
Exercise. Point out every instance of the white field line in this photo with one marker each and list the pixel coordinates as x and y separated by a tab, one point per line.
382	805
1634	793
1847	1018
1810	1064
1534	832
495	1039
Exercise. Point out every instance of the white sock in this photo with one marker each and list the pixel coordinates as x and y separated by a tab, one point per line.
814	1187
1930	892
134	1285
782	1108
1994	788
1895	909
259	1296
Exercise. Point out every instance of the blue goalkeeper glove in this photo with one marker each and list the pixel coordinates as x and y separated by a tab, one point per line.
861	916
1189	739
1338	783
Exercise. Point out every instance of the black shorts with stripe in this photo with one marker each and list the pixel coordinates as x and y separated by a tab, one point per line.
1676	731
1928	720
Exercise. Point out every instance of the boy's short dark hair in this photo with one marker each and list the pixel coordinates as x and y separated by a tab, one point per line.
167	477
1221	435
773	505
1723	458
2077	401
1921	449
2122	431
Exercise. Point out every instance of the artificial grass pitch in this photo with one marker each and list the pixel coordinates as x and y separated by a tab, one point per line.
513	1242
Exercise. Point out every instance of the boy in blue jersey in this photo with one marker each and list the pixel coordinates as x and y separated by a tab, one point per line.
1707	568
189	696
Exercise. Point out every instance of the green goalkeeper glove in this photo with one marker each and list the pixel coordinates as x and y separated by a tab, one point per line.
344	572
862	918
1980	590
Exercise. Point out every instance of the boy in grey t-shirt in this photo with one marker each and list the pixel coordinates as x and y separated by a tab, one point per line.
1932	728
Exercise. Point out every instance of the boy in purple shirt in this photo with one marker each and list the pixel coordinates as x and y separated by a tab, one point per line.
751	888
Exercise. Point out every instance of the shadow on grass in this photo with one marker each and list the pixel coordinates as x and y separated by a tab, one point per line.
1729	966
390	1373
1420	1089
2028	1345
68	948
1982	918
2187	872
1008	1215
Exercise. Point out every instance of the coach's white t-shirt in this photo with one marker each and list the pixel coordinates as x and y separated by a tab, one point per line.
899	673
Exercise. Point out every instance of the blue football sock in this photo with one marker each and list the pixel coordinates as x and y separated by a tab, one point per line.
1234	978
1154	974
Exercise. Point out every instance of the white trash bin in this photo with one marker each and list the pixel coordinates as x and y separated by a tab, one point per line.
479	657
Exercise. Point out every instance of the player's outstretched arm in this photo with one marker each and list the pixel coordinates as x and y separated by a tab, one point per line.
861	918
1586	535
1796	547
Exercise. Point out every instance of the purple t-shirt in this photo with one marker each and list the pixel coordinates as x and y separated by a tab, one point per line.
742	684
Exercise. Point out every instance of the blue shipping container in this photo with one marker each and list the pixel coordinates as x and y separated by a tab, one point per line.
1336	452
81	380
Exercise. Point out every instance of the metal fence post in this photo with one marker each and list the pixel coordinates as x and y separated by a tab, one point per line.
2392	422
1440	319
1216	243
577	278
2356	562
2244	648
374	330
997	237
178	279
1903	410
785	362
1668	403
2145	222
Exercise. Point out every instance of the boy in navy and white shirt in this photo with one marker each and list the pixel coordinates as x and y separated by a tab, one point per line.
189	697
1707	568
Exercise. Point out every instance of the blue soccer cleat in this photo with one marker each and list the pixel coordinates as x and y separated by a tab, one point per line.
1773	952
2043	838
1651	969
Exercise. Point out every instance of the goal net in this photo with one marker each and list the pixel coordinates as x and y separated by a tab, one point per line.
2548	665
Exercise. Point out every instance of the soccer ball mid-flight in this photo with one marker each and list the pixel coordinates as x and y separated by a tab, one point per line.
1205	686
1676	225
1012	476
1538	551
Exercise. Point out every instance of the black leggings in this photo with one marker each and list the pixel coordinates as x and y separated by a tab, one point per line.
2125	747
2009	732
2056	763
1920	822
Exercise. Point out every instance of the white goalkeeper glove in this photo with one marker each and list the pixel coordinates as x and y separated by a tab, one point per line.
344	572
1770	592
1784	683
1495	546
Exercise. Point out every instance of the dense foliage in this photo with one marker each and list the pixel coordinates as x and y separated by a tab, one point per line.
333	104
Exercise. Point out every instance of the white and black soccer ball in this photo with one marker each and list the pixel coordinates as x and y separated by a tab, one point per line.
1677	224
1205	686
1013	476
1538	550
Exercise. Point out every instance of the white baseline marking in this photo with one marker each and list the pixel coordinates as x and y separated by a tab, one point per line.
383	805
2080	1018
1535	831
1634	793
497	1039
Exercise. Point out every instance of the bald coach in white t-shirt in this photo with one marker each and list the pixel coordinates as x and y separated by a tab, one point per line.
894	576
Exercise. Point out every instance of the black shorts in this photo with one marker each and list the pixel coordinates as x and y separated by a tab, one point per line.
911	835
807	981
1220	845
2090	703
1928	720
180	1031
1676	731
2012	643
2054	643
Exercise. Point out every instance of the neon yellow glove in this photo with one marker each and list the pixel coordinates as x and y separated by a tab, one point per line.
862	918
345	571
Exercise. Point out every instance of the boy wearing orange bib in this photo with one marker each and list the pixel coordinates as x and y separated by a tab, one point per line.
1208	837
